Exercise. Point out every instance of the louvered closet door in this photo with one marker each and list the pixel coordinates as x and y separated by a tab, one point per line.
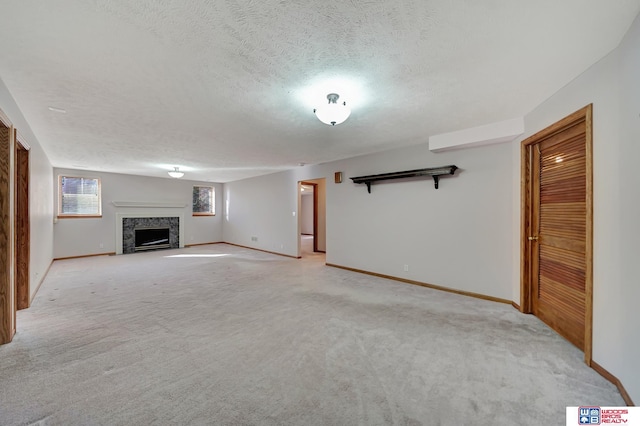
560	190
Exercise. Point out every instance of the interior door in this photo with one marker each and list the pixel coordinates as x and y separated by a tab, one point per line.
559	230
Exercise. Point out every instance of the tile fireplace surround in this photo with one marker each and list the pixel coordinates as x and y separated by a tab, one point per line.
130	224
148	214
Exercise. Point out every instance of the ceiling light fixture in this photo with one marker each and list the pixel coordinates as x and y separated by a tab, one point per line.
333	112
176	173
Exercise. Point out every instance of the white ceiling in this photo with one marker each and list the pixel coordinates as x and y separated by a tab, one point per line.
224	89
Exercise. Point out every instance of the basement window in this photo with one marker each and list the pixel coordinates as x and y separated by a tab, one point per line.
204	203
79	197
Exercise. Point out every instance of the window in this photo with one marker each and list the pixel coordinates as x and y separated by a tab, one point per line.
204	202
79	197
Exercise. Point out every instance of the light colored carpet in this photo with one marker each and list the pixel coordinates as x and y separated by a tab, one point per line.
223	335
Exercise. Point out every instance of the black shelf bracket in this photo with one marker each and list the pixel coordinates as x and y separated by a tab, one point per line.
434	172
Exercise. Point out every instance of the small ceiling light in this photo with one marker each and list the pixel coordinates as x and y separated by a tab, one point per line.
333	112
59	110
176	173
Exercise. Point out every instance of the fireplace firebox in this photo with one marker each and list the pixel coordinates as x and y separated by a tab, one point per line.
151	238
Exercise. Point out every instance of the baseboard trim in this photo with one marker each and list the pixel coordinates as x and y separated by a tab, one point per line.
423	284
202	244
515	305
264	251
85	255
33	296
613	379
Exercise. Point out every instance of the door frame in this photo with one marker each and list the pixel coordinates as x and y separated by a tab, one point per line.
7	238
22	223
315	213
526	209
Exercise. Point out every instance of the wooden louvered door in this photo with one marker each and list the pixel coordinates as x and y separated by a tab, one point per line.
558	227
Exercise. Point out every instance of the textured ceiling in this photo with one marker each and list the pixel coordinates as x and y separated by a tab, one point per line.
225	89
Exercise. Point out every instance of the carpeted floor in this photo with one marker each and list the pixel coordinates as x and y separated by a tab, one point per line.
228	336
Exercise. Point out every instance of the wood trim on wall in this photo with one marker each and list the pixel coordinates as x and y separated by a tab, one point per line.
613	379
423	284
525	220
22	227
265	251
315	213
111	253
202	244
33	296
4	119
588	318
7	279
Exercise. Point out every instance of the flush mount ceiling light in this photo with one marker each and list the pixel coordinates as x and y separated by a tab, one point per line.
333	112
176	173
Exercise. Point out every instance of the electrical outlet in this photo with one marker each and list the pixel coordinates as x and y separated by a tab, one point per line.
101	245
254	238
406	268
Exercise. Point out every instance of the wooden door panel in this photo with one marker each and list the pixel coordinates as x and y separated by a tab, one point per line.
561	224
570	133
568	327
566	276
557	227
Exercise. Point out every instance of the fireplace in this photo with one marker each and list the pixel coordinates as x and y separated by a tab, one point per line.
151	238
148	233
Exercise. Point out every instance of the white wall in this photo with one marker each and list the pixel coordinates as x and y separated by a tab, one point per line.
264	208
457	236
627	365
78	237
613	88
306	213
40	198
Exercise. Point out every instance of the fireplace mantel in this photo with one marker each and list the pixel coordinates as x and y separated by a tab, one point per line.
145	204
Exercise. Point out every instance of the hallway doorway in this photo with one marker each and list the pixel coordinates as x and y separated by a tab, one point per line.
311	218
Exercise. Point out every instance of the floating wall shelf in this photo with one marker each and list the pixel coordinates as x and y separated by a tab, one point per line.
434	172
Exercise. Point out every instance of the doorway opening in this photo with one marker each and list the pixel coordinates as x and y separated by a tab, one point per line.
311	218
